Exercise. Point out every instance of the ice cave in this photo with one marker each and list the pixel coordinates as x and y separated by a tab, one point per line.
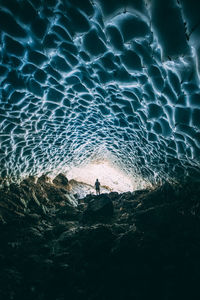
83	79
108	89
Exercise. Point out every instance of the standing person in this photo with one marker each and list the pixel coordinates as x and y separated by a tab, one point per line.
97	187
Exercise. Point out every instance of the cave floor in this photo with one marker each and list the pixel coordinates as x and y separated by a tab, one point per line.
148	247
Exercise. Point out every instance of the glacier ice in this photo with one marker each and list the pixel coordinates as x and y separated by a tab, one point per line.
83	79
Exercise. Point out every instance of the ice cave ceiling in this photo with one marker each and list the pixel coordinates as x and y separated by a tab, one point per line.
93	78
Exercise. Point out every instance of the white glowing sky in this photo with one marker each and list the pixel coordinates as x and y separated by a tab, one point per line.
108	175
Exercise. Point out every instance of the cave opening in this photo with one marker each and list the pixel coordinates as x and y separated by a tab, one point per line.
111	177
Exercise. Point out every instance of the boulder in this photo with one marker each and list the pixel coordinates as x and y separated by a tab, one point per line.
68	212
43	179
114	196
100	208
60	180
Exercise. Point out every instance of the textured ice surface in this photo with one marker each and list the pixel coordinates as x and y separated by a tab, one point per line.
83	79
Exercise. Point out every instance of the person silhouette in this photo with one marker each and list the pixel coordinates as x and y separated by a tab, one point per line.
97	187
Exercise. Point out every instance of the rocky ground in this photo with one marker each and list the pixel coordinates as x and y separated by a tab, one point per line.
141	245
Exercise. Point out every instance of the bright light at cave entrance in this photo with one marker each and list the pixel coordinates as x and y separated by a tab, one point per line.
110	177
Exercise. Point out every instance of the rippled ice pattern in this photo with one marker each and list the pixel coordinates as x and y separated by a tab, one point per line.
83	80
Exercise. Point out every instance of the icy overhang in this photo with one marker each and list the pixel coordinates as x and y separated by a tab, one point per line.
82	78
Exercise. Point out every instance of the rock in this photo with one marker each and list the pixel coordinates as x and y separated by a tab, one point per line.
100	208
15	189
113	196
29	180
67	237
33	217
148	244
43	179
160	219
71	199
137	193
68	212
60	180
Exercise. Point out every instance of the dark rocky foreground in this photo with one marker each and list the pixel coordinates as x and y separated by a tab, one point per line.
141	245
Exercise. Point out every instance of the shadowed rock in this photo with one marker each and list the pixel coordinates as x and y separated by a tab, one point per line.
141	245
60	180
99	208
